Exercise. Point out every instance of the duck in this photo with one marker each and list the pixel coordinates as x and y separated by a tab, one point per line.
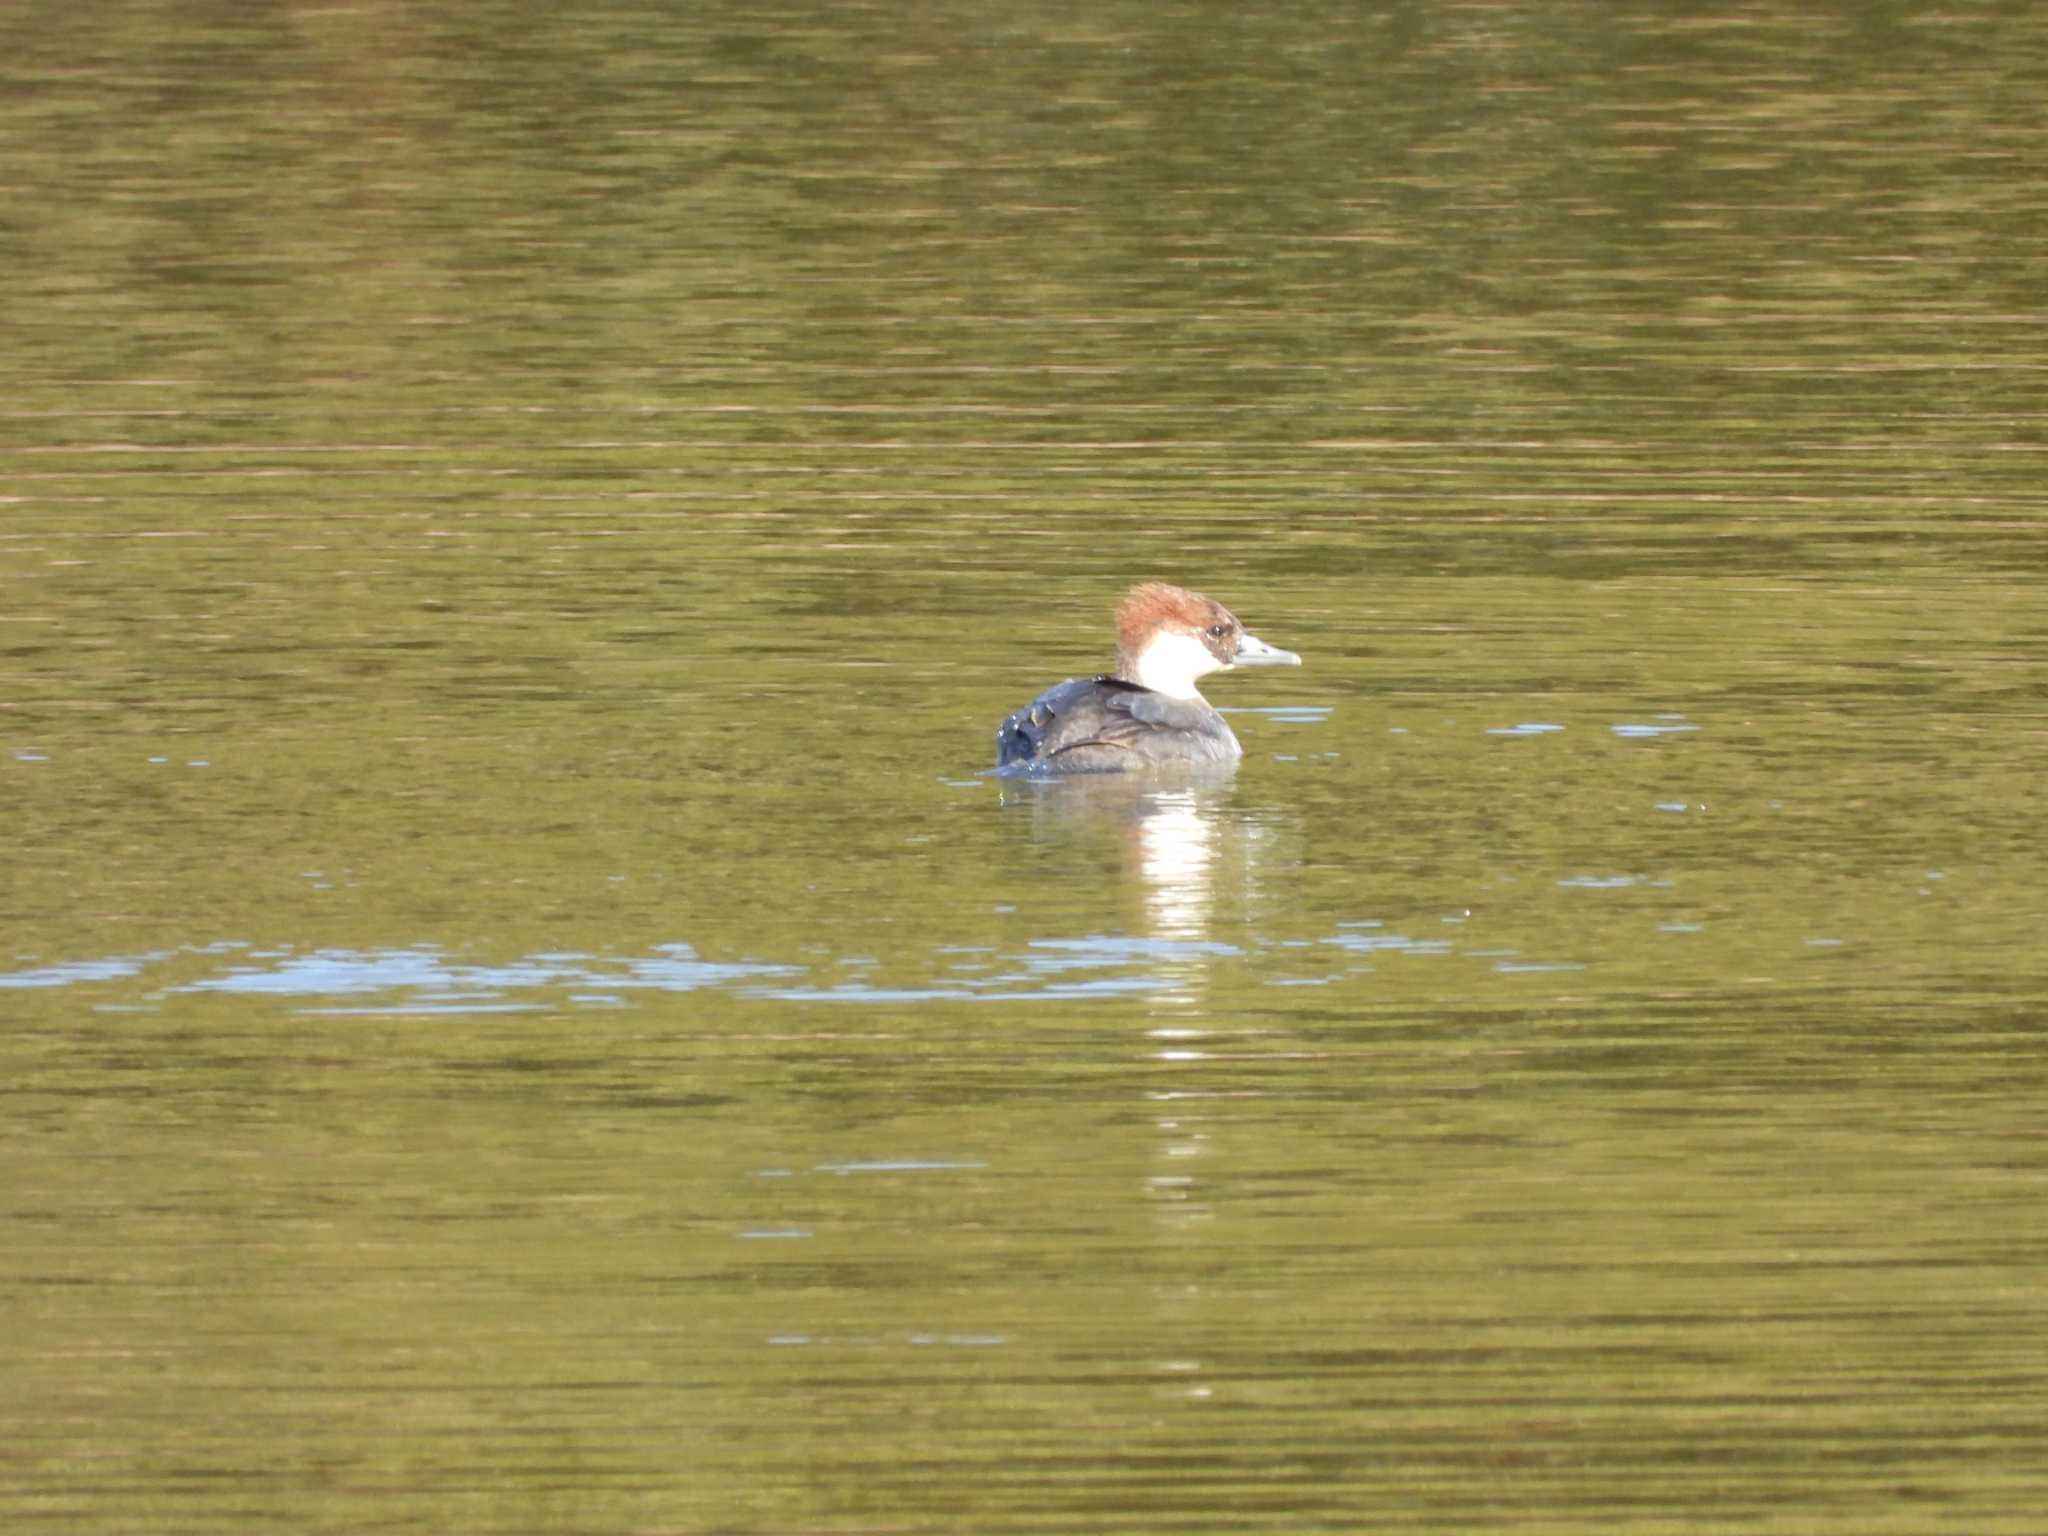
1146	713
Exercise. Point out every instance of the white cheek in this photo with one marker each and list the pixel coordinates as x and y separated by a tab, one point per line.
1172	662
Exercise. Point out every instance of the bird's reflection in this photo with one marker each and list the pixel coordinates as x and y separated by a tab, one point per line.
1175	853
1178	848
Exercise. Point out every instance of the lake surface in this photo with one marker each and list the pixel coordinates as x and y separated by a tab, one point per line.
522	1010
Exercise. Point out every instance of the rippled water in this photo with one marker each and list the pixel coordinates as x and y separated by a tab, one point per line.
522	1009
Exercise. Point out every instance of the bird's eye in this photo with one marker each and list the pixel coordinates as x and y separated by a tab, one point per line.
1218	631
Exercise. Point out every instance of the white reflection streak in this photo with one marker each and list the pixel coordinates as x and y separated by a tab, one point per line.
1176	849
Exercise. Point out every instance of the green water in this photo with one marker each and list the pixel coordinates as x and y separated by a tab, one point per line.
520	1011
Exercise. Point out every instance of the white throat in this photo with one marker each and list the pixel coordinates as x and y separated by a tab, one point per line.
1171	662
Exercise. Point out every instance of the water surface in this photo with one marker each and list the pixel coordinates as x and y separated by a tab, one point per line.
521	1011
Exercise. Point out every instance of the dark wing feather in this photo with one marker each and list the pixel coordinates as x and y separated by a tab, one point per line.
1064	717
1087	723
